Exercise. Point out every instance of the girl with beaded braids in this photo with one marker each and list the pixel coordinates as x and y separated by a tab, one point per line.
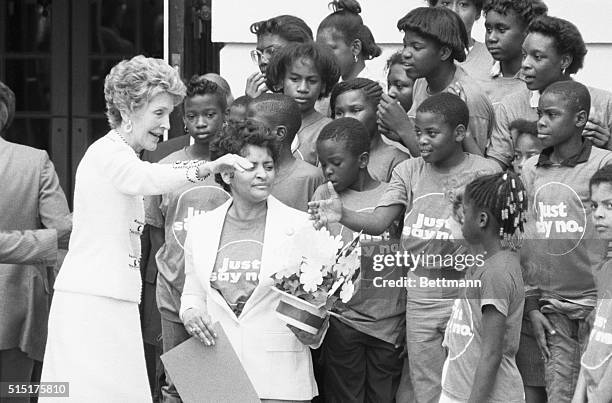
482	336
358	98
94	337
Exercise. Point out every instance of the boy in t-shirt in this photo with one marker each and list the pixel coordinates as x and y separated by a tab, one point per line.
565	250
362	346
426	187
506	23
478	61
595	372
204	112
296	180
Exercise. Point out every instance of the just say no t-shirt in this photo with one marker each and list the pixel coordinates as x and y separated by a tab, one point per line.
236	271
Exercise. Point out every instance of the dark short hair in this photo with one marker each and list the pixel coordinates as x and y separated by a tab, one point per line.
346	20
477	4
351	131
282	110
603	175
452	108
575	93
235	139
371	89
566	36
288	27
527	10
524	126
242	100
323	59
396	58
198	85
439	24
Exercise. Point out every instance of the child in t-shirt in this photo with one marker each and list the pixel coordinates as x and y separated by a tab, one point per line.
434	38
426	187
358	98
483	333
506	23
595	372
526	142
305	72
478	61
553	50
238	111
204	112
361	351
296	180
564	250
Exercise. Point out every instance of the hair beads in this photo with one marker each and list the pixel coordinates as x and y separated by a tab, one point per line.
504	196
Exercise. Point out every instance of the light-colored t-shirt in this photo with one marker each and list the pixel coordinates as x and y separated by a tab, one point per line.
383	159
478	61
304	145
501	285
295	185
482	115
375	311
172	212
523	104
236	271
497	87
563	246
428	195
596	358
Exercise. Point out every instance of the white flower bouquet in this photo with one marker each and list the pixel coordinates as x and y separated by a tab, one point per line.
316	270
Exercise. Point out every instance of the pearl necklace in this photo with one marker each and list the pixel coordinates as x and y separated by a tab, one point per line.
124	140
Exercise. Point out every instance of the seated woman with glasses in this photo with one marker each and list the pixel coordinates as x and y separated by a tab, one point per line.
272	35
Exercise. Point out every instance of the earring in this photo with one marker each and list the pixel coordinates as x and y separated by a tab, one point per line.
185	129
355	58
128	126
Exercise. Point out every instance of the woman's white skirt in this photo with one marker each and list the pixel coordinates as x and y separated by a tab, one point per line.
95	344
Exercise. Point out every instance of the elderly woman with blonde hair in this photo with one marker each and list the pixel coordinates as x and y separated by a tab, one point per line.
94	339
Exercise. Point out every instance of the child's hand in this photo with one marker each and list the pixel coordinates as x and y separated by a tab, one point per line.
391	114
324	212
255	85
541	325
597	133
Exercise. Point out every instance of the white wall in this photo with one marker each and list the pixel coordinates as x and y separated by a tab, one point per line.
232	19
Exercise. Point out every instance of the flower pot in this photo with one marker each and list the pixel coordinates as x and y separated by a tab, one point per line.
299	313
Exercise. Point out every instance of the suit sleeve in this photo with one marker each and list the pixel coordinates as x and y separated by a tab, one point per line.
35	247
134	177
194	295
52	204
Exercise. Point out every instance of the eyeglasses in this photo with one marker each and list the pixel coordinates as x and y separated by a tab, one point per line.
267	52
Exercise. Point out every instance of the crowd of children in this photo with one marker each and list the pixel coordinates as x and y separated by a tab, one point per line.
459	149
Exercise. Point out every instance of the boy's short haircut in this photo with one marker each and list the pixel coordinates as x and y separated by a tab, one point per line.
603	175
288	27
439	24
372	90
452	108
351	131
575	94
323	58
282	110
234	140
528	10
198	85
524	126
567	39
242	100
477	3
